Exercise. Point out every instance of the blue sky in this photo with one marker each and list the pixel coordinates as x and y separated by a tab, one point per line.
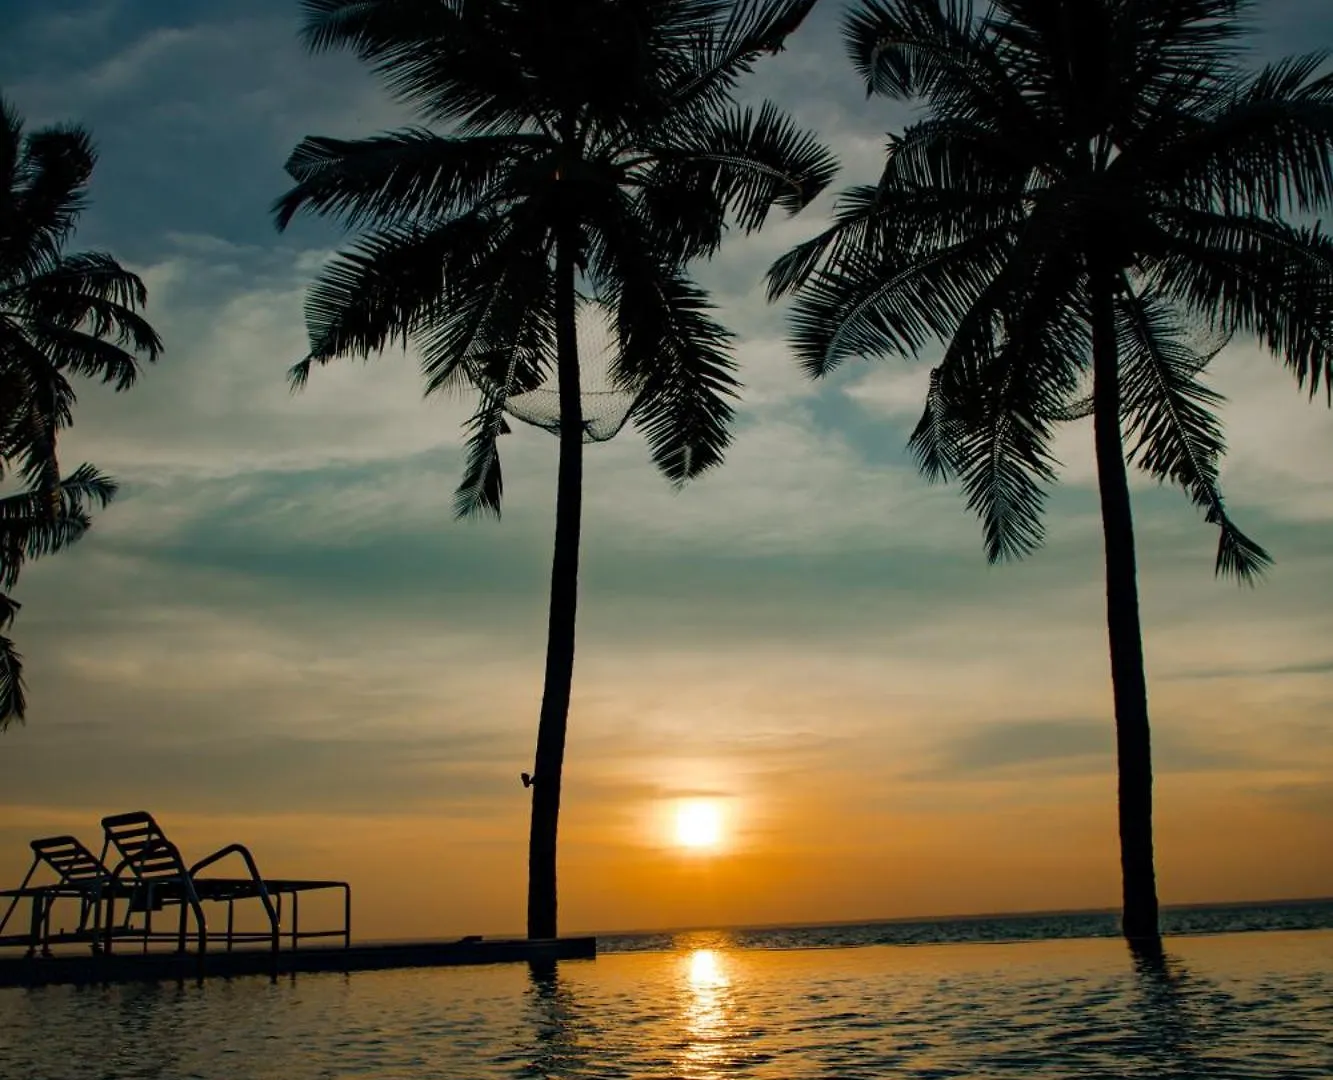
279	632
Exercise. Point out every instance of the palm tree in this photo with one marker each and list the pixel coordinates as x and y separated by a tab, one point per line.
60	315
1098	191
592	149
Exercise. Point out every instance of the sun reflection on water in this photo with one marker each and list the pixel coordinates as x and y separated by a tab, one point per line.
708	1015
706	970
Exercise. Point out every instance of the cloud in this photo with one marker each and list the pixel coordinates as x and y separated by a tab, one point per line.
218	404
1312	667
215	423
194	113
1308	797
450	775
142	59
1020	749
1027	742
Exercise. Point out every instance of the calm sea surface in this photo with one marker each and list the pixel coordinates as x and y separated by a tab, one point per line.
1057	999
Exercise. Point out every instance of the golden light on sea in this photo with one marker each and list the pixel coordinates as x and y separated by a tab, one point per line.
705	970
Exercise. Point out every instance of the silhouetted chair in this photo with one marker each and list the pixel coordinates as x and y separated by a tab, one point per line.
81	876
161	877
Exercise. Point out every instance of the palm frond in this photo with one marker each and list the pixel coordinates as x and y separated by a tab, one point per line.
898	214
1170	55
86	275
400	176
13	700
84	354
482	486
858	216
1253	146
908	48
11	143
750	160
961	157
997	445
725	40
1014	361
36	402
391	282
894	305
498	331
41	522
48	191
81	314
1248	274
674	354
454	61
1176	436
938	434
939	50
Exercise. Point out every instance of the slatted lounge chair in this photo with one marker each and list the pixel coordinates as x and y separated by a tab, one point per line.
80	876
161	878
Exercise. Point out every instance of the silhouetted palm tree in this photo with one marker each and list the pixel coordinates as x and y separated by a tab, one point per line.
60	315
1095	187
593	148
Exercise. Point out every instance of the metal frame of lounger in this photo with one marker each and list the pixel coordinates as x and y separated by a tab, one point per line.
82	876
159	870
162	877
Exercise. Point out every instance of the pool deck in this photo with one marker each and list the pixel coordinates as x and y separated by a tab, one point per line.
135	967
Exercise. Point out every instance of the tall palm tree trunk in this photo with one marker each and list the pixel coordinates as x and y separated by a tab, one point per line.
1133	742
554	719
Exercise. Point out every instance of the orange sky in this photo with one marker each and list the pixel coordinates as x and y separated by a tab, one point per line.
850	787
278	634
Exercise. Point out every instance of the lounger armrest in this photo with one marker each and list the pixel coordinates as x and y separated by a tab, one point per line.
222	853
244	853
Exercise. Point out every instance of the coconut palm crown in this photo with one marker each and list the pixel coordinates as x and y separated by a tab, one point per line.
1095	197
61	316
570	150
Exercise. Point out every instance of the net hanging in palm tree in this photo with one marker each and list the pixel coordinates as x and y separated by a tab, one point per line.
605	403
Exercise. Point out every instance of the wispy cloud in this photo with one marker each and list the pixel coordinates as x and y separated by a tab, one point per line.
1312	667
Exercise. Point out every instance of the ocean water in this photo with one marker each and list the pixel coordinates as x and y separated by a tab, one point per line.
1058	998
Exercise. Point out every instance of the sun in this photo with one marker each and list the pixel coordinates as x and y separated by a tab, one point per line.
698	824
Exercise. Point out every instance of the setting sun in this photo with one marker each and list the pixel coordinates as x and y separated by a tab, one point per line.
698	824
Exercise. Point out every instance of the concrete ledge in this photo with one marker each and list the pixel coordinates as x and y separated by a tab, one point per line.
134	967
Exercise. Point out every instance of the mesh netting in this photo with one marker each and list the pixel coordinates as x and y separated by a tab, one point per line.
605	407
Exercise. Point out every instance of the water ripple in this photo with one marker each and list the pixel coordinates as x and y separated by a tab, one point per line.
1239	1007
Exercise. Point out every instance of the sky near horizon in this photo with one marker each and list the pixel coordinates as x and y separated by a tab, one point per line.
278	633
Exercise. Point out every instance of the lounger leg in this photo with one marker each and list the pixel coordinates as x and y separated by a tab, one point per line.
180	939
110	922
35	925
46	925
97	920
347	916
203	927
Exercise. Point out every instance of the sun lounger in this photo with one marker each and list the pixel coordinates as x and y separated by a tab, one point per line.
161	878
80	876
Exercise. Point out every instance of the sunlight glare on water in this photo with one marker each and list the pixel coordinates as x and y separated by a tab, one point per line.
706	972
707	1016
